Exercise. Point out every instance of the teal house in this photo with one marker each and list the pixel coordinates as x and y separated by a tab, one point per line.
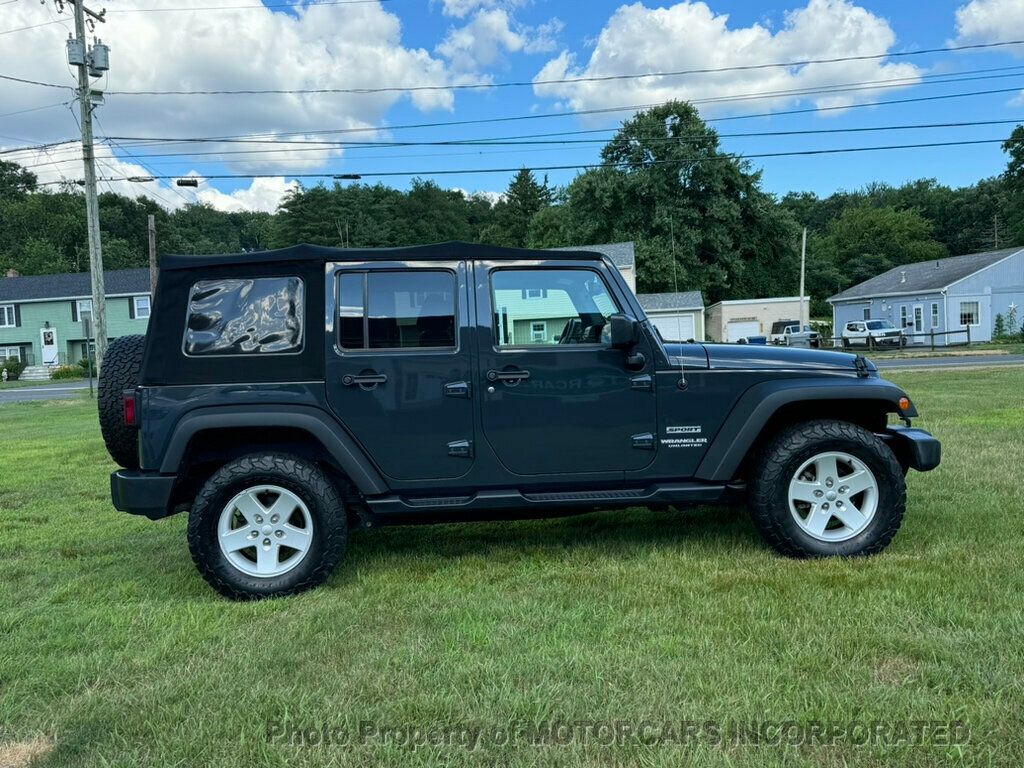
43	318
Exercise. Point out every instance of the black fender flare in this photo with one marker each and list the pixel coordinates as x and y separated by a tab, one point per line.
338	443
758	404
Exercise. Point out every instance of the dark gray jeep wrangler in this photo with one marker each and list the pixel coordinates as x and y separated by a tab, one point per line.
285	396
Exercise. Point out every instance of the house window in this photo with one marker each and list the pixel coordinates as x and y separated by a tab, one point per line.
396	310
141	305
538	332
244	317
970	313
7	317
535	293
84	310
867	313
935	314
9	352
903	316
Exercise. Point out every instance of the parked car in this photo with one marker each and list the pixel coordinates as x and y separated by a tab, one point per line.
284	397
753	340
877	333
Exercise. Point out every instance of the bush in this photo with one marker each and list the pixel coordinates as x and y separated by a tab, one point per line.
67	372
87	363
14	367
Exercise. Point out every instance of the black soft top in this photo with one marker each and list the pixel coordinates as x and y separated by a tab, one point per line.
453	250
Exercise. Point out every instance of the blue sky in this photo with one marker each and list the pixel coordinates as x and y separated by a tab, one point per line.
437	43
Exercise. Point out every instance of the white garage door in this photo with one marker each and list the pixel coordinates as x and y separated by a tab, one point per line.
740	329
675	327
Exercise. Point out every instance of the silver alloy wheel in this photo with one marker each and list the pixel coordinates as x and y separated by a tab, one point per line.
833	496
265	531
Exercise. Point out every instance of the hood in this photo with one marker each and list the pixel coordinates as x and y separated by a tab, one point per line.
765	356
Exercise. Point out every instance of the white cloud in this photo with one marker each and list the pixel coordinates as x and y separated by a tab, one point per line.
490	34
63	164
318	46
689	35
991	21
460	9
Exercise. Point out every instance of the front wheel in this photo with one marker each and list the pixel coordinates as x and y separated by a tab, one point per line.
827	488
266	525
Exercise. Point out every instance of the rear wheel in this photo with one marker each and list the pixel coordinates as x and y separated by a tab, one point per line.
266	525
827	488
118	372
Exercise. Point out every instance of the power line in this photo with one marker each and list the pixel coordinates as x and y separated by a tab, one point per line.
586	166
553	81
544	115
35	82
35	109
522	141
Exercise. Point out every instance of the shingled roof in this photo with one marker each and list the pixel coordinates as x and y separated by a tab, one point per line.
924	276
117	282
621	254
655	302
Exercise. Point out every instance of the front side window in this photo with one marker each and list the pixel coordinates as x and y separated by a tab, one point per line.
574	304
245	317
7	318
970	313
396	310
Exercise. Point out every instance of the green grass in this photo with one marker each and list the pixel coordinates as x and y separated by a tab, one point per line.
113	651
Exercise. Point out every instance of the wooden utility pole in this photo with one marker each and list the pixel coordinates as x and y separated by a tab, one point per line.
152	254
86	59
804	318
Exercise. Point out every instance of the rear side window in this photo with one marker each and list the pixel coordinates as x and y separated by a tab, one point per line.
245	317
396	310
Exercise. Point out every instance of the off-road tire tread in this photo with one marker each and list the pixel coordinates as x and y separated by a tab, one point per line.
268	467
119	371
770	471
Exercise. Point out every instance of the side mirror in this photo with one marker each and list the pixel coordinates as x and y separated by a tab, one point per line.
625	331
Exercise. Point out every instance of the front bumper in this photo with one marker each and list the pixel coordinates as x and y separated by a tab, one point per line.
142	493
914	447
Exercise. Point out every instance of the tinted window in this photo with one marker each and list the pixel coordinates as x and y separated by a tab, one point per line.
242	317
541	307
876	325
396	310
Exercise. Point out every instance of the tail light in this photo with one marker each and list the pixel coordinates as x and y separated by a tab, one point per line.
131	414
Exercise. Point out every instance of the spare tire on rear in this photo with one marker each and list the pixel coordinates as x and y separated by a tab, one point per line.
119	371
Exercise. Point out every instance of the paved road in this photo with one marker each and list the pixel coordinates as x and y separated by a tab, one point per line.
965	361
42	392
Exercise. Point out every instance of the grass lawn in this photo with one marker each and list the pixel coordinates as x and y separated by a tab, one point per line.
114	652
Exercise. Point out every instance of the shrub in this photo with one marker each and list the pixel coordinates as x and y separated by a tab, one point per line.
67	372
86	363
999	327
13	366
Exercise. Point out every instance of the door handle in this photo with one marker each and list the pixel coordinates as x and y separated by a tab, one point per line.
509	377
457	389
364	379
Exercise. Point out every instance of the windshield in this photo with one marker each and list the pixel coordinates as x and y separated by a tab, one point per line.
877	325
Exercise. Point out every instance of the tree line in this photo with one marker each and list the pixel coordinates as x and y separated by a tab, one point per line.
699	217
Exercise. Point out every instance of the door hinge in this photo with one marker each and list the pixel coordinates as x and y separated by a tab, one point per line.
462	449
457	389
644	442
643	382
